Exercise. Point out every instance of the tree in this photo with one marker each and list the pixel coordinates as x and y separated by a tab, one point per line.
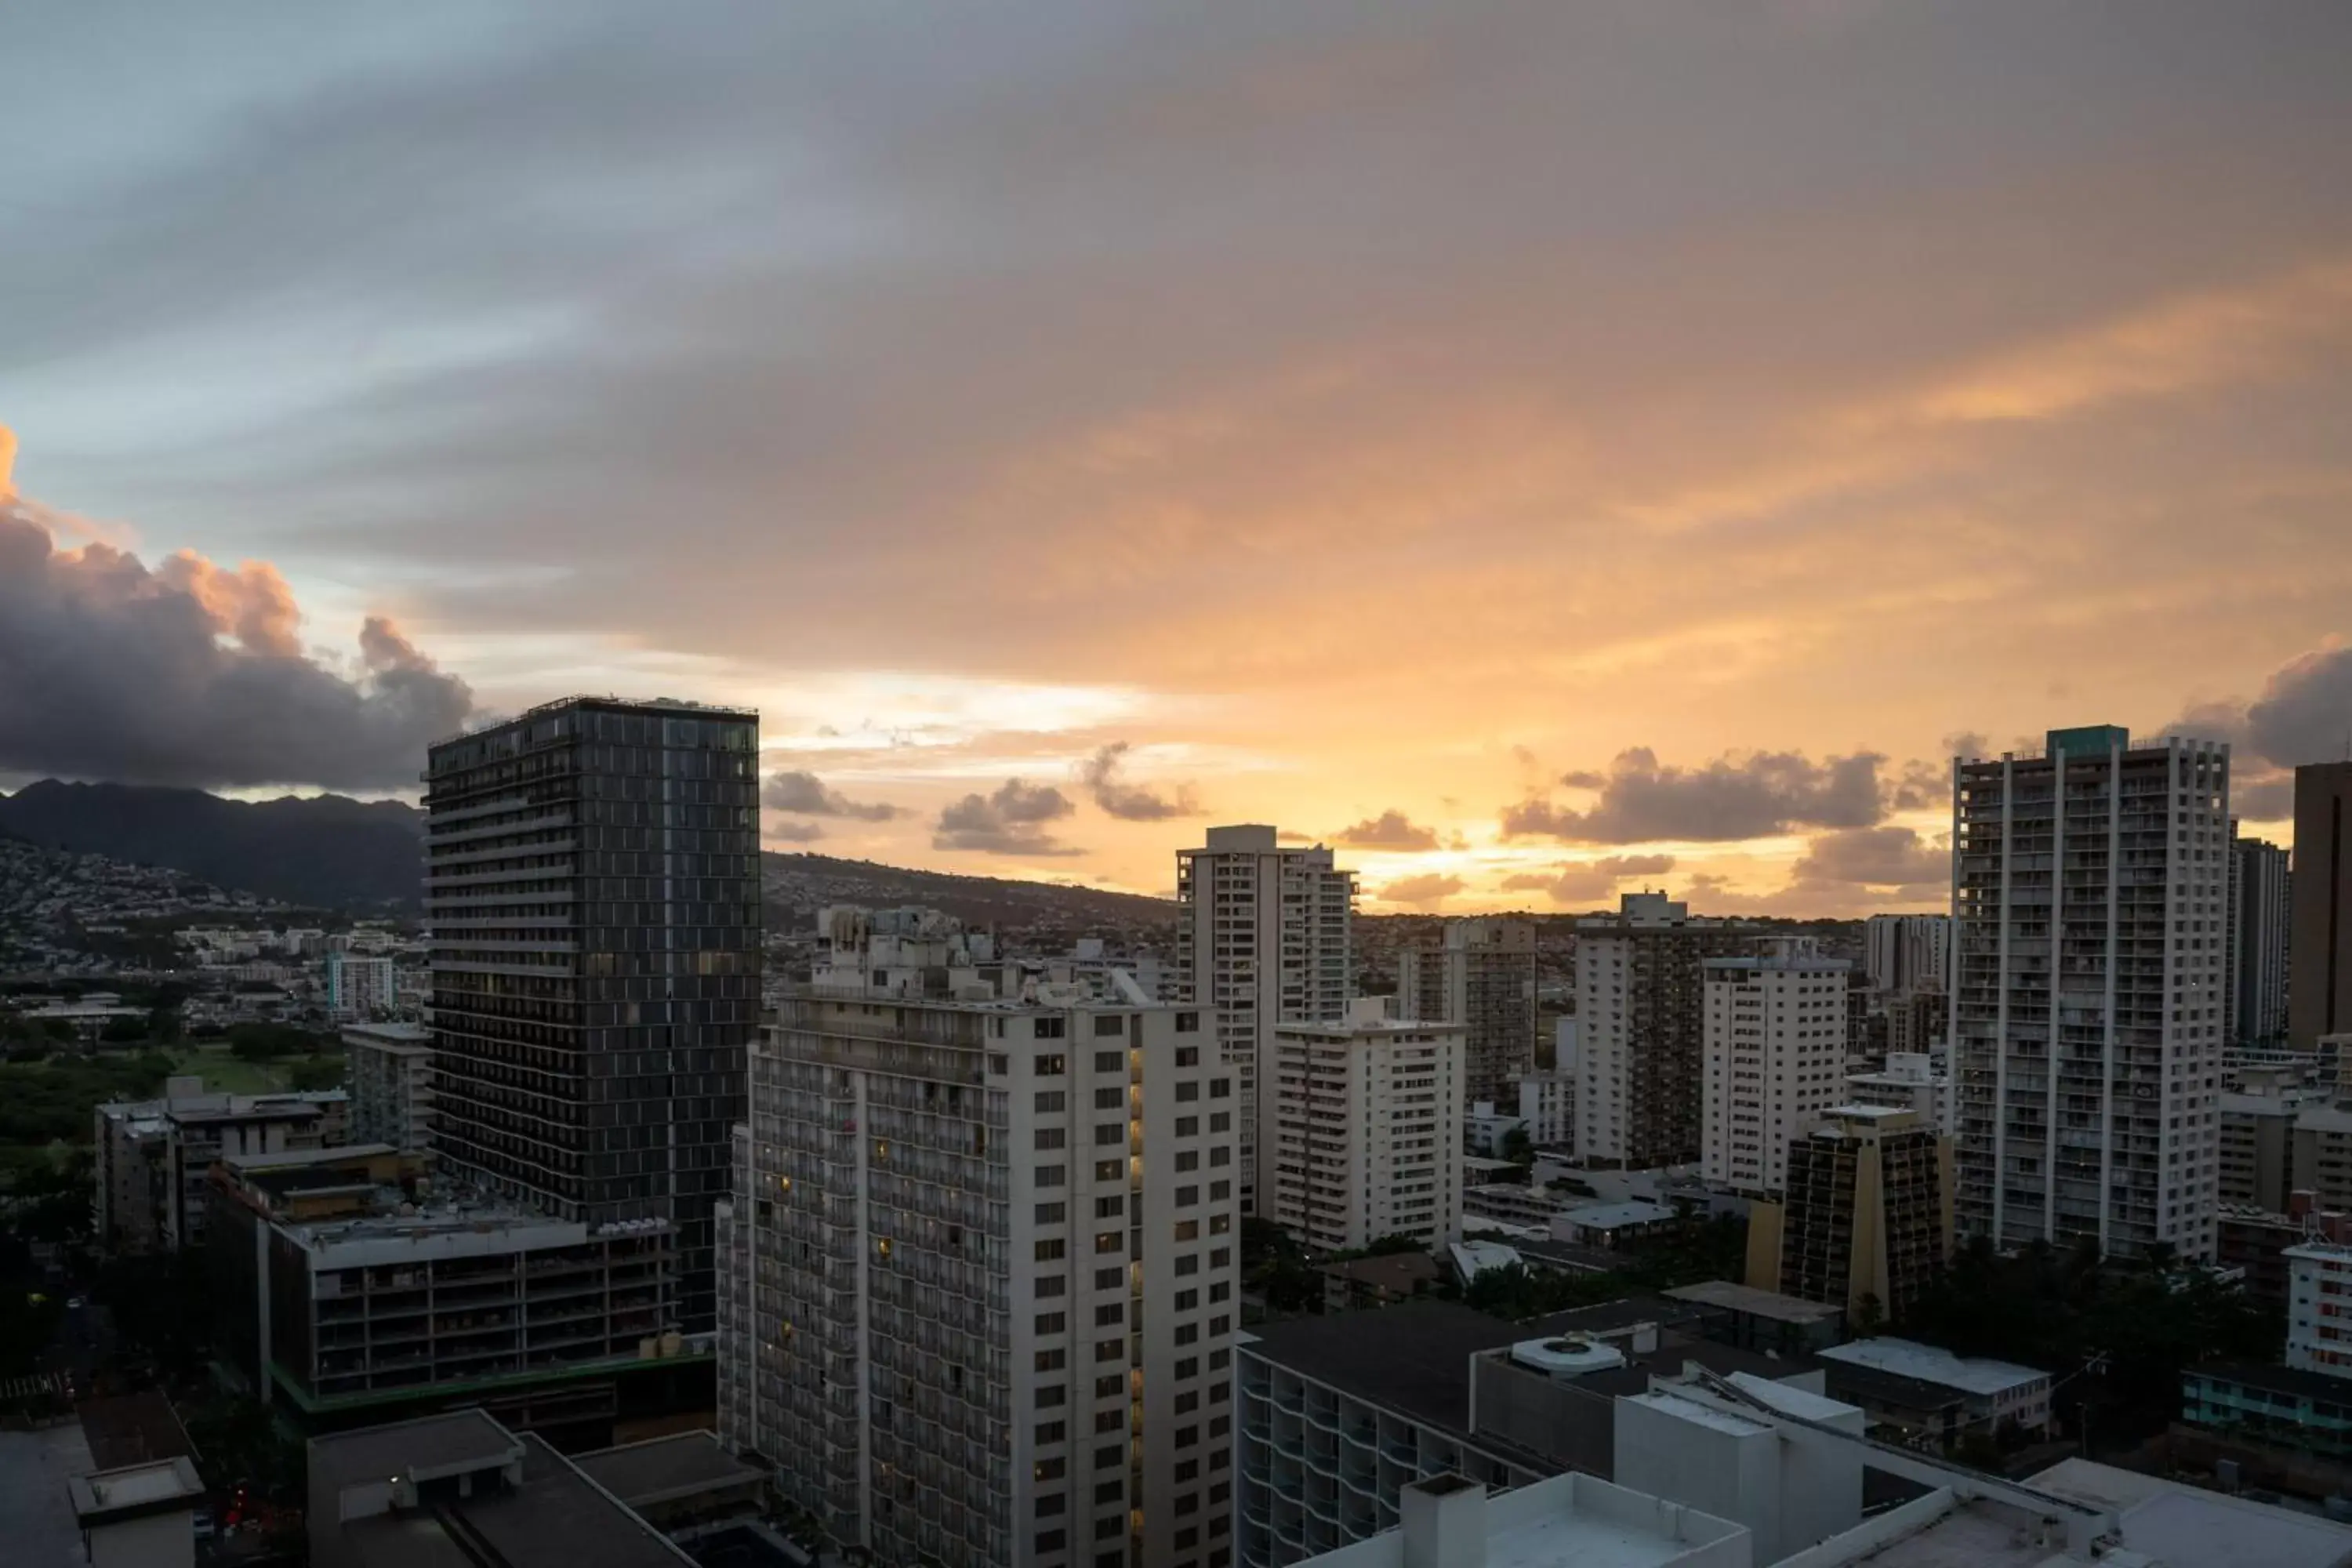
1518	1147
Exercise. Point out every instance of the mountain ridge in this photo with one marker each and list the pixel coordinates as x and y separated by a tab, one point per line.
333	852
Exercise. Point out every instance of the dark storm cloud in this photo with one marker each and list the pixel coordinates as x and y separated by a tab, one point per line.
1391	829
1009	822
805	794
193	674
2304	715
1749	796
1100	776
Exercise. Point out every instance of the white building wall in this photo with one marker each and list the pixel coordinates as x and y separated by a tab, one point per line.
1366	1139
1775	1060
1264	935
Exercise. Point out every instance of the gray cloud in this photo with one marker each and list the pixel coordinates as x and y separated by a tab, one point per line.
1583	881
193	675
1878	857
1391	829
1009	822
806	795
1428	889
792	832
1749	796
1130	801
2304	715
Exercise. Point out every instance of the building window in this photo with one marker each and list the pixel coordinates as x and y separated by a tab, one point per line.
1108	1061
1051	1064
1051	1361
1050	1395
1188	1159
1050	1503
1189	1088
1051	1176
1048	1432
1109	1241
1109	1349
1050	1214
1049	1540
1049	1247
1221	1087
1188	1230
1188	1127
1110	1098
1049	1101
1189	1263
1188	1023
1110	1207
1051	1322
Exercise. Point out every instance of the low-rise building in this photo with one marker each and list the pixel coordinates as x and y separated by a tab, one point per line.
1486	1130
1447	1522
153	1157
1614	1225
390	1080
2284	1406
1961	1392
2254	1241
462	1491
2319	1308
139	1516
346	1282
1760	1320
1382	1281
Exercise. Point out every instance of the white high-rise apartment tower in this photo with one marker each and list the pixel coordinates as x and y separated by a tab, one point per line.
1365	1138
980	1278
2089	891
1263	937
1775	1048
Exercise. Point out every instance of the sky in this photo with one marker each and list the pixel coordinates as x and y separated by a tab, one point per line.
1544	449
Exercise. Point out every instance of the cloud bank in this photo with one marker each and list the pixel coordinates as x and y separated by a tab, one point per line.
194	674
1734	797
1010	821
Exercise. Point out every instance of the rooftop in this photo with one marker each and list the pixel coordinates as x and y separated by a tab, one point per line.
132	1428
1933	1363
2188	1527
1609	1217
399	1037
460	1440
1568	1520
661	1469
2293	1380
1398	1271
1756	1303
159	1486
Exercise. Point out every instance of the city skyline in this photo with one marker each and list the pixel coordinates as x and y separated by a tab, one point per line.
1079	430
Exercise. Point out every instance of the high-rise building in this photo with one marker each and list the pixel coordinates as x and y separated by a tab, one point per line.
1480	974
1263	937
2319	991
2260	916
1907	952
154	1157
1866	1213
991	1252
2089	1010
388	1072
360	986
1640	1100
1773	1036
1366	1138
593	887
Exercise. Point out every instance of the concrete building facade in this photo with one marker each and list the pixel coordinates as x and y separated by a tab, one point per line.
2319	962
389	1076
1774	1046
1866	1218
2090	891
593	886
1640	1100
1907	952
360	986
344	1283
1264	935
1481	973
153	1158
2261	919
991	1253
1365	1142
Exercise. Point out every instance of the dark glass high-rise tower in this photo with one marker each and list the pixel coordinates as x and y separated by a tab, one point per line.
593	888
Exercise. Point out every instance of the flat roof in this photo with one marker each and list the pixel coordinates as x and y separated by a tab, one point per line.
1933	1363
133	1491
1608	1216
661	1469
1737	1298
132	1428
1702	1414
458	1440
2277	1380
562	1517
2189	1526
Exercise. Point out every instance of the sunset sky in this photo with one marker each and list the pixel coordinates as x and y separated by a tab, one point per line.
1547	449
